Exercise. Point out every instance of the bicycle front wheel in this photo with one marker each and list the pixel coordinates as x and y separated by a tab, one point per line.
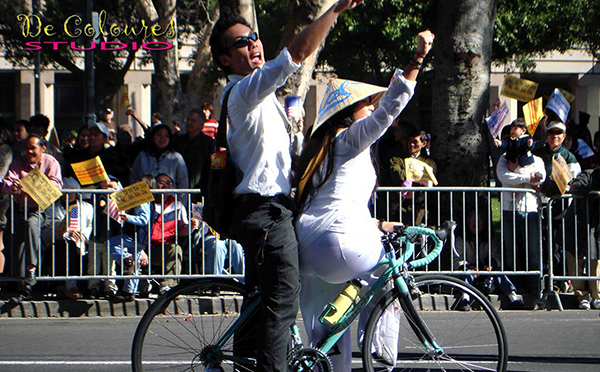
464	325
179	330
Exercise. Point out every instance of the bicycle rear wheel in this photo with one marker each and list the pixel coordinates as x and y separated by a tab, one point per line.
179	329
463	323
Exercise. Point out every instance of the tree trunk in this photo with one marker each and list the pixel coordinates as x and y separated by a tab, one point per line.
202	83
462	61
302	13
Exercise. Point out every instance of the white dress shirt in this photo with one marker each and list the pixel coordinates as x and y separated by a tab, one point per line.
258	137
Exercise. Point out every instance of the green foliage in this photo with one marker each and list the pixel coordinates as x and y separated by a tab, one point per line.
374	38
524	28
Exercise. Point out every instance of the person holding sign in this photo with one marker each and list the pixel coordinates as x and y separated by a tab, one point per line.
555	137
335	230
520	213
29	219
129	250
518	138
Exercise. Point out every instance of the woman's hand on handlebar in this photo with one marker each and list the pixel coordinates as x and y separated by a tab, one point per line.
387	226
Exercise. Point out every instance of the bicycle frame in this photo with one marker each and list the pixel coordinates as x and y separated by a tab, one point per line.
396	269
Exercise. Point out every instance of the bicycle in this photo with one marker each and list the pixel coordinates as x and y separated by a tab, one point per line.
436	331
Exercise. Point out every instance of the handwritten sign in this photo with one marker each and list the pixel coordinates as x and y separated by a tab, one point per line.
133	195
533	112
417	171
40	188
90	171
519	89
561	174
559	104
496	121
568	96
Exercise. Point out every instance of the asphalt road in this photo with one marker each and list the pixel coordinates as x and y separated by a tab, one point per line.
538	341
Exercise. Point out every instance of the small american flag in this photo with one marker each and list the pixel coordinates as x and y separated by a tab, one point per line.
111	208
293	107
74	217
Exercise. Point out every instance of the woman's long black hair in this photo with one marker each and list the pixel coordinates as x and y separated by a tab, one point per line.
323	137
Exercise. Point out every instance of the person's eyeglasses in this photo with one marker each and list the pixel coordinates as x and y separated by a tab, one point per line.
555	132
244	41
164	183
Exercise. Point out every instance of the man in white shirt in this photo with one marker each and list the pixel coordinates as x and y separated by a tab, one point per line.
259	144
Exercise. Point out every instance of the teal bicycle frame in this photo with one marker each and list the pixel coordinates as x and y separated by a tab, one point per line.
394	269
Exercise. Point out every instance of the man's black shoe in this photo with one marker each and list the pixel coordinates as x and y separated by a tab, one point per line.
30	278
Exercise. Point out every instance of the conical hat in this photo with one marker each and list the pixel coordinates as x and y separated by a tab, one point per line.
342	93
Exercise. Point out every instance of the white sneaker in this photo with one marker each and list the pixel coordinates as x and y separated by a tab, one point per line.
596	304
584	304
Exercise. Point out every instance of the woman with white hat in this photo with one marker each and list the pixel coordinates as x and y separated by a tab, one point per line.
338	239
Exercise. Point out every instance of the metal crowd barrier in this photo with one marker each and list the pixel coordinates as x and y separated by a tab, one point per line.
572	244
194	244
517	252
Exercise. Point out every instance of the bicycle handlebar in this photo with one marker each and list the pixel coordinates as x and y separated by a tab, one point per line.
438	236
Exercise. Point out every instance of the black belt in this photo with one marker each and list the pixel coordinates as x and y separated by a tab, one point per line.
257	199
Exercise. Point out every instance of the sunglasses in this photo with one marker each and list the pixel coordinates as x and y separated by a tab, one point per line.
555	132
244	41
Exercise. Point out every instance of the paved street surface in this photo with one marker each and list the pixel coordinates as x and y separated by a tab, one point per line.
538	341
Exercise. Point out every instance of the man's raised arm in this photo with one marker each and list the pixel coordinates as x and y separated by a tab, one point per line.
307	41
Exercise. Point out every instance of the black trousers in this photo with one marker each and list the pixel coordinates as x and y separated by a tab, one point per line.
272	267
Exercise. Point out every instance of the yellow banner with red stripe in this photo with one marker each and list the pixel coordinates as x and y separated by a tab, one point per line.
90	171
533	112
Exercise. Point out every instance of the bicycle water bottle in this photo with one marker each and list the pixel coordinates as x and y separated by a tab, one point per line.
336	309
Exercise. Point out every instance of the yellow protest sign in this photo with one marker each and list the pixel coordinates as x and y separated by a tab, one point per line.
90	171
417	171
40	188
519	89
532	113
568	96
561	174
132	196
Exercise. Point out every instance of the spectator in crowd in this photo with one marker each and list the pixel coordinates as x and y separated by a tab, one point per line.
555	136
106	117
83	138
67	140
128	249
40	125
196	148
107	225
581	233
20	132
168	222
214	252
259	144
586	157
473	252
520	213
155	118
5	160
29	219
160	157
210	126
518	138
72	237
597	142
413	203
98	146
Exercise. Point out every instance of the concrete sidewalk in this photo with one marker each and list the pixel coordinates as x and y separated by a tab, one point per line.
57	308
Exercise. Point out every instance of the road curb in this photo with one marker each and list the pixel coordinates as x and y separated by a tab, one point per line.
197	306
